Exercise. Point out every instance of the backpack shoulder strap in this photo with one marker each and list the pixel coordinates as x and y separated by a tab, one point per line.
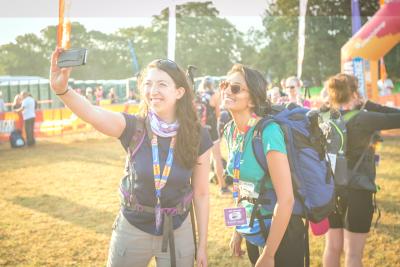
350	115
137	137
257	143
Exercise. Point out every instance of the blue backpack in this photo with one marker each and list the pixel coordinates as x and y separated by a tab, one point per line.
312	177
311	174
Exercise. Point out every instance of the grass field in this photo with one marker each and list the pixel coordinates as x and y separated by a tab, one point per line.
58	201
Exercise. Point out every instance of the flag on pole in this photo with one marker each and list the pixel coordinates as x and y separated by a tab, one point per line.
171	30
135	63
355	16
302	38
64	24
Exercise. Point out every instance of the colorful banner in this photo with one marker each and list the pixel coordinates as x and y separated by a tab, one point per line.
375	39
52	122
135	63
358	71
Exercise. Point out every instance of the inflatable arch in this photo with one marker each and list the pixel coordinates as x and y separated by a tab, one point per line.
360	55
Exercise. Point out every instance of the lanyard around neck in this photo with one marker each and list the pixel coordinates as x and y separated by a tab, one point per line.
161	180
238	155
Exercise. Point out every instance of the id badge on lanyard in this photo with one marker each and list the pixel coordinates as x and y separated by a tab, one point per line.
237	216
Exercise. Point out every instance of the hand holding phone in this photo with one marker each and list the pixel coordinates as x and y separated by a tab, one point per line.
72	58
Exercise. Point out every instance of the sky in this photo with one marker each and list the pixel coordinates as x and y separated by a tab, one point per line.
18	17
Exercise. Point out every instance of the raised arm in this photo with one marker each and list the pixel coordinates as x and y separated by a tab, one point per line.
375	107
107	122
201	204
374	121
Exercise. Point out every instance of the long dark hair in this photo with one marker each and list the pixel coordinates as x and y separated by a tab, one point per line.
257	85
188	137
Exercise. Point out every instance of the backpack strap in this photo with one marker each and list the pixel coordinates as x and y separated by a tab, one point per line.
192	218
137	137
257	143
258	151
252	252
350	115
361	158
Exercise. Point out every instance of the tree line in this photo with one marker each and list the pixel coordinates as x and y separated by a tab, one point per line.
209	42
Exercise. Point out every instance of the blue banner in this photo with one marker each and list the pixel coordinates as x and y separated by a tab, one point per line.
135	64
355	16
358	70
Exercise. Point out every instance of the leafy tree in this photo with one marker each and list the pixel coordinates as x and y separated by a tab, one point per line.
328	27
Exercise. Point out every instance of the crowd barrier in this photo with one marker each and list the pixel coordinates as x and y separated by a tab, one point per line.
54	122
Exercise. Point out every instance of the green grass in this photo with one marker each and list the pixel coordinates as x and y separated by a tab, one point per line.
58	201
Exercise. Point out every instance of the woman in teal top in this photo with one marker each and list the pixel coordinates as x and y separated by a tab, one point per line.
244	96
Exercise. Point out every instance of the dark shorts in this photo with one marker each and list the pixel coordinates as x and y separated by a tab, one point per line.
291	250
354	211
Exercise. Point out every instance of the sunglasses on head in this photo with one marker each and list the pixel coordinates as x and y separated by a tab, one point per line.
235	88
290	87
167	63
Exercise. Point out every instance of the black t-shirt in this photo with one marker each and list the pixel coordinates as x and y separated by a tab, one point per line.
178	182
360	129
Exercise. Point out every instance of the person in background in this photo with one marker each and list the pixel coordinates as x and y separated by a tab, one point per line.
350	223
293	85
282	89
89	95
243	95
210	100
19	124
385	86
78	90
17	102
28	113
274	95
98	94
155	210
112	96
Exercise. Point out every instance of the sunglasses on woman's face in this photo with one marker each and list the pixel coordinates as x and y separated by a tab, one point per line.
235	88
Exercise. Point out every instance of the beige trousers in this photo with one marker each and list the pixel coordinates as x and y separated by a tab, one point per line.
130	246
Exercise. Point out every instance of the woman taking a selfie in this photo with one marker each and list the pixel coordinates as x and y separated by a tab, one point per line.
170	167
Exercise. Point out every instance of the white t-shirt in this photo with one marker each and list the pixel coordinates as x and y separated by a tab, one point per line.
385	87
29	108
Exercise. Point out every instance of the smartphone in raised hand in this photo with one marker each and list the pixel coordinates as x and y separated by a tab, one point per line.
72	58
